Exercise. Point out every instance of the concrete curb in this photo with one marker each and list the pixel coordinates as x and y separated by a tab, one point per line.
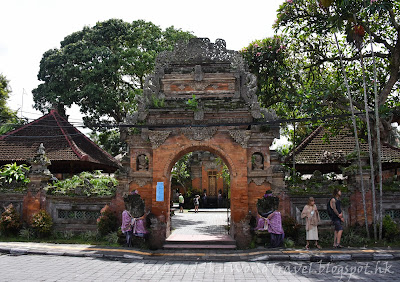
183	255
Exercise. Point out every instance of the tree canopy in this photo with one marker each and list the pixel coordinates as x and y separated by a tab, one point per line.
8	117
102	68
310	28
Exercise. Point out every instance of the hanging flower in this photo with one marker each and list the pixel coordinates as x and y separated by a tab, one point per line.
359	30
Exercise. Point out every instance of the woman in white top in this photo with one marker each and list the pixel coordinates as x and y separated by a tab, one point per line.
311	214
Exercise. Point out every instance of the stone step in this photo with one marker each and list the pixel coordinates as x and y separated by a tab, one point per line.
199	241
199	246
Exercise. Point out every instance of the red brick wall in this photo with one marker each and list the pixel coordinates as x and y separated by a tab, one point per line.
222	145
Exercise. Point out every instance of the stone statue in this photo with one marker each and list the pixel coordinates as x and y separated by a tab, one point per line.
142	163
258	162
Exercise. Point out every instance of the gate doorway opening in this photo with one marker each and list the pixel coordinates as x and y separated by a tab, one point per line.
201	175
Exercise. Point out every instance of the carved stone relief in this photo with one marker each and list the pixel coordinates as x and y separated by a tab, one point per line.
240	136
257	180
142	181
199	133
142	162
157	138
257	161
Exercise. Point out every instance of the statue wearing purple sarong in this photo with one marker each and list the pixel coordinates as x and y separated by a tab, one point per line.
139	227
274	221
272	224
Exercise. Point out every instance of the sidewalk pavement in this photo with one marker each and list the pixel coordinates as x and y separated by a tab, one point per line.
259	254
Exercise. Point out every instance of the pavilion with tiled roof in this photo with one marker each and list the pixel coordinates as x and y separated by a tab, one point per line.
314	153
68	149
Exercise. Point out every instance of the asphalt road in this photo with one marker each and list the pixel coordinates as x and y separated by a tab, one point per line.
61	268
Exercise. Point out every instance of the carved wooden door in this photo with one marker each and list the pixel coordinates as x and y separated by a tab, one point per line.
212	183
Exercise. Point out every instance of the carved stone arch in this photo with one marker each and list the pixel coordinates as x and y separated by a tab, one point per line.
190	148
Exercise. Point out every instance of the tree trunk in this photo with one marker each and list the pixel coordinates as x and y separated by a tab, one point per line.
378	142
371	149
353	119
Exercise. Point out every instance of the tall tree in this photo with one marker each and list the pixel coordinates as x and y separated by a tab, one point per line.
310	26
314	22
102	68
8	118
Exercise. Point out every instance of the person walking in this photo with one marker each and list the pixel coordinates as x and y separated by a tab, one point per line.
336	217
196	201
181	202
311	214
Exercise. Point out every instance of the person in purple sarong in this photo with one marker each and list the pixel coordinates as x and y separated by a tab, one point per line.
274	222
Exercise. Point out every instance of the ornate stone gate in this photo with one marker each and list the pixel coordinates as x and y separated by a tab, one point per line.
201	98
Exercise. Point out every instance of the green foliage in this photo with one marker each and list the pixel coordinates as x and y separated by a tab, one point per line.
288	243
318	183
102	68
309	29
6	114
157	103
110	141
10	222
192	104
267	59
14	176
353	237
86	183
26	233
89	236
291	228
181	171
107	222
390	228
224	173
392	184
266	204
112	237
42	224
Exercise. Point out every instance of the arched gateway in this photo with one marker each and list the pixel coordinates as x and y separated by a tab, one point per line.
201	98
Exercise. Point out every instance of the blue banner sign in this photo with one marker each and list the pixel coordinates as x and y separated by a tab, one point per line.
160	192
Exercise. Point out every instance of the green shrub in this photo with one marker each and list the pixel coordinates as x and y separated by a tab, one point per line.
90	236
87	184
42	223
291	228
353	238
26	233
14	177
10	222
66	234
390	229
112	237
288	243
107	222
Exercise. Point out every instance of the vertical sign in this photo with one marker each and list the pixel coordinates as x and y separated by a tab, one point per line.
160	192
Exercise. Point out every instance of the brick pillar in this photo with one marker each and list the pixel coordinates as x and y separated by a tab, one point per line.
356	209
39	175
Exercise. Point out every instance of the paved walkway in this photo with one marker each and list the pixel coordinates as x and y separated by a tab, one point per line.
201	223
59	268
